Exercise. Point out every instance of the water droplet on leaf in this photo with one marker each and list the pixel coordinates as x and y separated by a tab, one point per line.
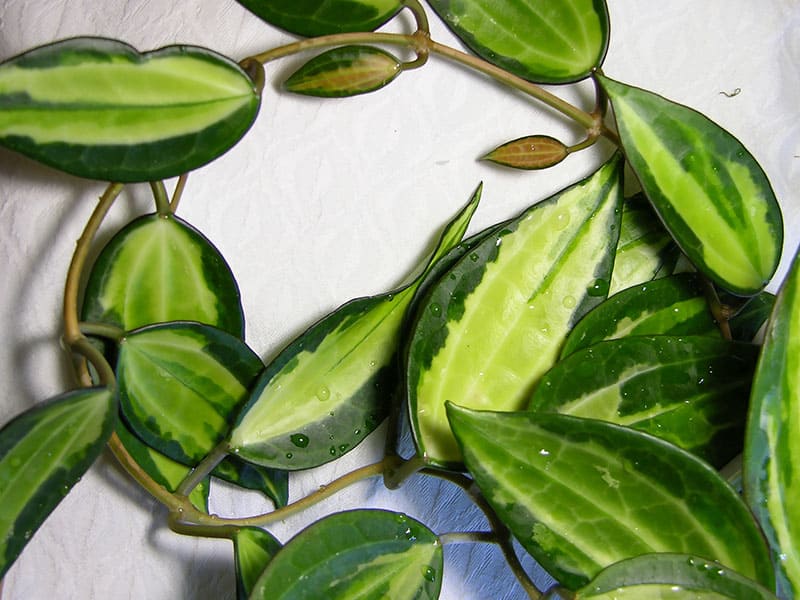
300	440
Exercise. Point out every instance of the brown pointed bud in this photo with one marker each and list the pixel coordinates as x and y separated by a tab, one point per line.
531	152
345	71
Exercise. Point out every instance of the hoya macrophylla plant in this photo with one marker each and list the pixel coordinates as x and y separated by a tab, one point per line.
772	443
100	109
709	191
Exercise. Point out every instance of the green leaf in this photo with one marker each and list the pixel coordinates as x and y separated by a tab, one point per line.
334	384
645	250
253	548
674	305
322	17
772	442
98	108
43	453
495	322
180	385
675	576
344	71
546	42
162	469
530	152
272	483
691	390
365	554
159	269
709	191
746	324
581	494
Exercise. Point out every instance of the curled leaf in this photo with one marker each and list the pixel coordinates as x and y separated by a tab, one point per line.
531	152
345	71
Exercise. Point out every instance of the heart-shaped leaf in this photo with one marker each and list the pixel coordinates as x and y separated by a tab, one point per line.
547	42
674	305
253	548
690	390
674	576
334	384
494	323
181	384
43	453
344	71
162	469
709	191
322	17
772	443
645	250
159	269
365	554
581	494
98	108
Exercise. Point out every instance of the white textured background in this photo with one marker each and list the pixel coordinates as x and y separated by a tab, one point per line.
321	202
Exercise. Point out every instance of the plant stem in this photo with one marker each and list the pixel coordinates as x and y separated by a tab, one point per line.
163	206
468	537
422	44
203	469
72	330
103	330
177	193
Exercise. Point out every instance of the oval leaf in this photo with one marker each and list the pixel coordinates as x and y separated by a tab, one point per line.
581	494
43	453
709	191
645	250
674	576
180	385
674	305
365	554
531	152
692	391
159	269
546	42
97	108
162	469
333	385
345	71
494	323
772	443
322	17
253	548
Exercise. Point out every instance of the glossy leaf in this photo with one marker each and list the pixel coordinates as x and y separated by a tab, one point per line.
674	576
645	250
709	191
495	322
365	554
98	108
162	469
547	42
531	152
321	17
746	324
43	453
772	443
272	483
690	390
674	305
181	384
253	548
344	71
159	269
581	494
334	384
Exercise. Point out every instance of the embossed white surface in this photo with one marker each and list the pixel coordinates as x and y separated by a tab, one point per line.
321	202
